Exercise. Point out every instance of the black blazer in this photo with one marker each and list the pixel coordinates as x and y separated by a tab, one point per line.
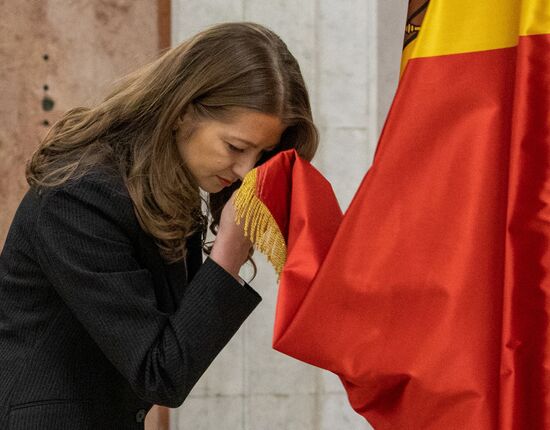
95	327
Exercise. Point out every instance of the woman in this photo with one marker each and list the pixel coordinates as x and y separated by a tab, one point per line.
105	305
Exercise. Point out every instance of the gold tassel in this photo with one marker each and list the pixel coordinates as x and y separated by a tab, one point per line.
259	225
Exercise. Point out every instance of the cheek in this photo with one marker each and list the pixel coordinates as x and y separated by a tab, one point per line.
204	158
221	159
207	156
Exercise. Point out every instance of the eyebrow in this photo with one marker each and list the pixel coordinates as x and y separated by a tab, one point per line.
243	141
247	142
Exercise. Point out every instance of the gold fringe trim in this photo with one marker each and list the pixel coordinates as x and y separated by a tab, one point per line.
259	225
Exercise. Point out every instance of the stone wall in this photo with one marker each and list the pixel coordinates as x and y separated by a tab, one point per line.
55	55
349	53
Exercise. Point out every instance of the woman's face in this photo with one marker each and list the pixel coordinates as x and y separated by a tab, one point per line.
219	153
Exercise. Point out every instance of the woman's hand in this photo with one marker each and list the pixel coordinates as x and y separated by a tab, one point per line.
231	246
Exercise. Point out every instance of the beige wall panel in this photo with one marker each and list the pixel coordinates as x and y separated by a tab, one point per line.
88	43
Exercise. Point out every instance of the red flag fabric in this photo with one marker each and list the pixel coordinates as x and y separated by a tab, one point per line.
431	298
291	214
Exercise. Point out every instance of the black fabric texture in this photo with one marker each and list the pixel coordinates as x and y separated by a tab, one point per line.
95	326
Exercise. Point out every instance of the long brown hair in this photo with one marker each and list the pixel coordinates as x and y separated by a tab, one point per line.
229	65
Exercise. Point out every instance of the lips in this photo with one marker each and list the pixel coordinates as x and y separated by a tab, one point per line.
224	181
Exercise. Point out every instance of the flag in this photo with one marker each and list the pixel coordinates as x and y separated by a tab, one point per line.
431	301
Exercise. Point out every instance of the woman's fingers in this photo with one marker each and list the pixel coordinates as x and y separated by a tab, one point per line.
231	246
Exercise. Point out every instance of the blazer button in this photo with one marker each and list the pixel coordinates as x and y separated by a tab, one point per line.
140	415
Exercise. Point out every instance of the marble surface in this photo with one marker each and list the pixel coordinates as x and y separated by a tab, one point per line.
88	45
349	53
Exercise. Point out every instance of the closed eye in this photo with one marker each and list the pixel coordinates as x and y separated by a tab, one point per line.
234	148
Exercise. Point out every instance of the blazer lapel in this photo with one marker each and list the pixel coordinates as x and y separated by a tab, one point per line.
171	279
181	273
194	255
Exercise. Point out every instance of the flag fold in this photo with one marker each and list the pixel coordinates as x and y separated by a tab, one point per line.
430	297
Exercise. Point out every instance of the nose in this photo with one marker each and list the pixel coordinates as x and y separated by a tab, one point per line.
244	165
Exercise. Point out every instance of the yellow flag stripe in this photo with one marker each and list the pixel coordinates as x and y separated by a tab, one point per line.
535	17
459	26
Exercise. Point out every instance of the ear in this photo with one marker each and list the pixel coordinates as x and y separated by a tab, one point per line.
185	118
179	122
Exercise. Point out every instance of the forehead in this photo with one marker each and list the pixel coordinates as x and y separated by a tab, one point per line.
258	128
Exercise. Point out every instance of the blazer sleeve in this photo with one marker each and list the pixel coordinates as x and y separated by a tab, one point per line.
85	250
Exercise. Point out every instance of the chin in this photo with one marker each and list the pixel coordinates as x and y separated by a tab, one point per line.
211	188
